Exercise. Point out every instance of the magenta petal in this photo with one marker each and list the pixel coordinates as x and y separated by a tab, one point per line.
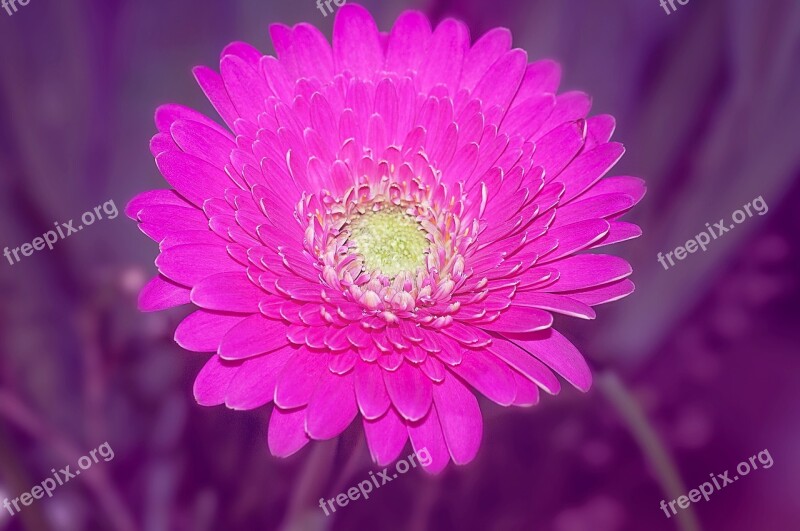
356	44
483	54
213	380
253	336
214	89
518	319
205	142
486	373
526	364
588	168
510	68
596	206
254	384
631	186
161	293
527	392
408	42
373	399
460	418
386	437
228	292
428	442
619	231
588	270
541	76
557	303
312	53
576	237
445	56
194	178
286	433
599	130
560	355
332	406
299	378
189	264
603	294
410	391
158	222
202	331
154	198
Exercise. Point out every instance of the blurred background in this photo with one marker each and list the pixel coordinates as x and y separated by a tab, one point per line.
695	372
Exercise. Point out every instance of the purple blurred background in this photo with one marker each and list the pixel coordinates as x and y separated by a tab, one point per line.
695	372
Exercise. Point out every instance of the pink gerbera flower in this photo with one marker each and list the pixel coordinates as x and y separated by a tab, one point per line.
385	225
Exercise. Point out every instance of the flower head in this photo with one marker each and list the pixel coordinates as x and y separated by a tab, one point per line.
385	226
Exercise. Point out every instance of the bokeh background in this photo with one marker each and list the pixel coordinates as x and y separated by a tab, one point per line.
695	372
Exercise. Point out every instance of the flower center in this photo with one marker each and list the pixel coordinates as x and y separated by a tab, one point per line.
389	241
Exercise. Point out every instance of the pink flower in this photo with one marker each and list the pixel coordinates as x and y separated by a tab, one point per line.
390	226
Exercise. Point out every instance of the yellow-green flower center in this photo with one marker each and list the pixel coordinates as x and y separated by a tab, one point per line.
389	240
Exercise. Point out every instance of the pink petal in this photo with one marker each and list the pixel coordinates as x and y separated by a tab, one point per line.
519	320
253	336
356	45
203	141
189	264
560	355
161	293
386	437
286	433
483	54
214	89
332	406
588	270
486	373
603	294
588	168
410	391
554	303
428	440
160	221
527	392
168	114
510	68
254	384
373	399
540	77
213	380
194	178
444	57
593	207
632	186
407	42
228	292
202	331
576	237
599	130
460	418
312	53
299	378
526	364
154	198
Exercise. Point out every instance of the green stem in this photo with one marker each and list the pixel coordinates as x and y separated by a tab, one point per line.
652	447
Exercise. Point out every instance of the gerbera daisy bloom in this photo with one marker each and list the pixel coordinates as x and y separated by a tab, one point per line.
386	225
